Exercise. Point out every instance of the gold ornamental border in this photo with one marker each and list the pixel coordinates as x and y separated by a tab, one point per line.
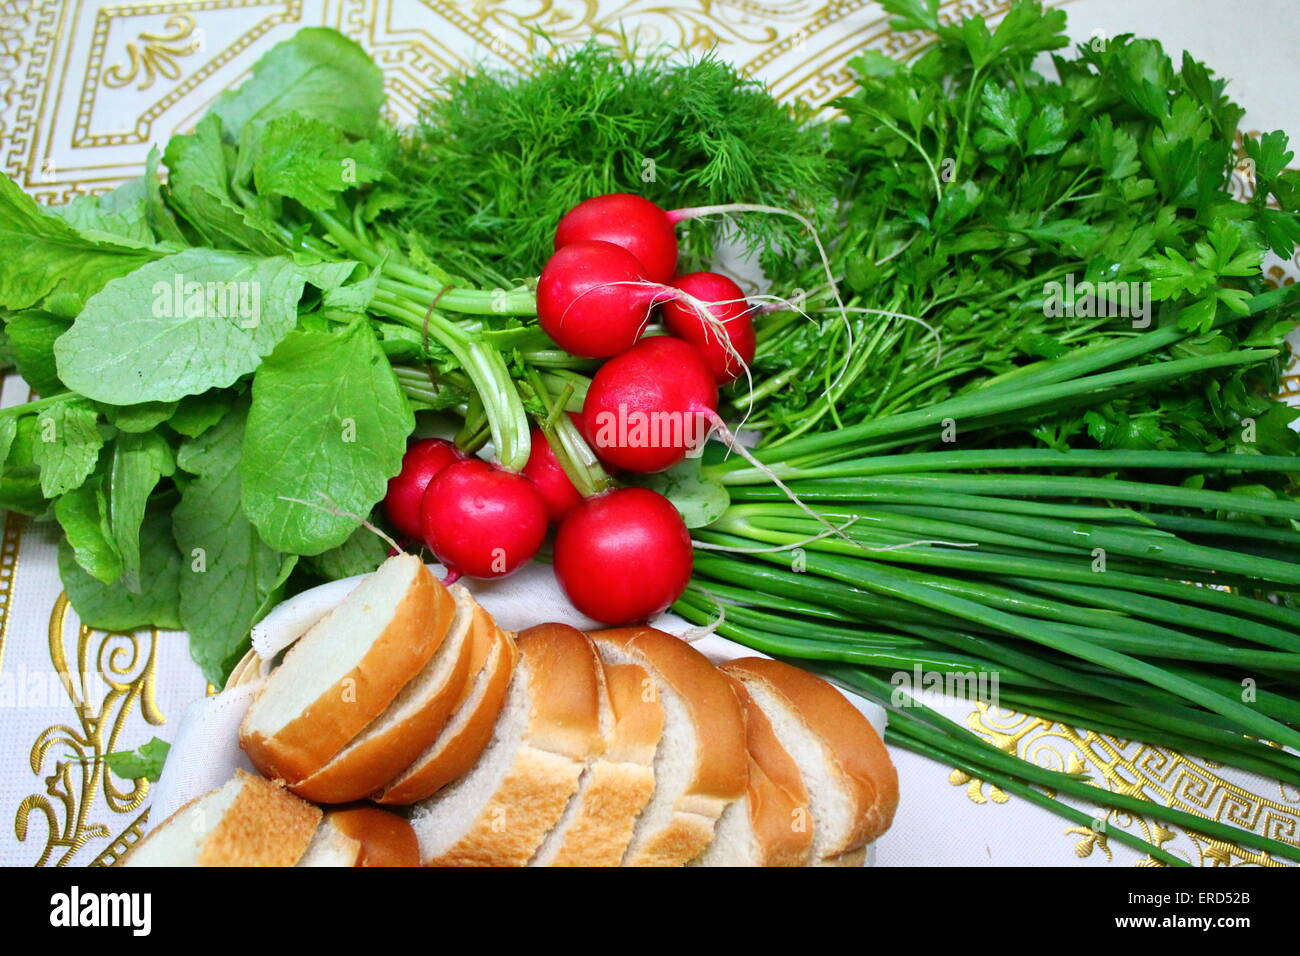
412	56
126	663
290	12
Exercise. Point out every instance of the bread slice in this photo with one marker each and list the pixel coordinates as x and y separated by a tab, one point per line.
386	839
700	765
247	821
598	823
362	836
392	741
771	825
463	738
852	784
331	847
856	857
346	670
499	812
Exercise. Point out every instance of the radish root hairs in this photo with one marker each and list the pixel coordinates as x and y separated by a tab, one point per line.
897	252
704	630
705	546
938	338
332	507
734	444
698	212
668	293
777	548
778	303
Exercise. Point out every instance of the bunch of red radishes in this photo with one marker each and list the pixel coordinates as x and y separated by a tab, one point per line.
622	555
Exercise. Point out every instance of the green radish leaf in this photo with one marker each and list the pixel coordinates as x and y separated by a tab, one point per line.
20	486
45	255
67	444
361	553
143	763
31	336
144	417
319	73
311	161
8	430
355	298
161	219
112	607
195	414
139	461
120	215
192	321
83	515
328	418
198	186
700	501
229	573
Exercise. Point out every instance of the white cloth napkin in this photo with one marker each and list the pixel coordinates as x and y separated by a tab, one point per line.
206	750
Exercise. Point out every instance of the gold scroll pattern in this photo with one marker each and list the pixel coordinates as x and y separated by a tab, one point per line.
1153	773
68	757
156	53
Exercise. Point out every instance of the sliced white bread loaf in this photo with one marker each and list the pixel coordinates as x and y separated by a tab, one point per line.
771	825
392	741
700	765
852	784
346	670
330	846
499	812
598	823
467	733
362	836
247	821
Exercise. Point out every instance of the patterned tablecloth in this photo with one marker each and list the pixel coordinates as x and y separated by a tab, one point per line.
86	86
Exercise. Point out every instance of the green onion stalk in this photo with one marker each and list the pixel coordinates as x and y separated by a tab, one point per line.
1147	610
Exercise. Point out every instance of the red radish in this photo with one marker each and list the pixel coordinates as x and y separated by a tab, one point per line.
423	459
628	221
623	556
481	520
549	477
726	302
644	408
594	299
647	407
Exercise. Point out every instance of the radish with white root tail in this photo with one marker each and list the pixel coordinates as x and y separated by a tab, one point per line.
594	300
623	556
549	478
481	520
423	460
644	229
645	409
728	353
627	221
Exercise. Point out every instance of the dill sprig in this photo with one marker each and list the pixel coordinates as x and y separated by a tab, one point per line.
497	156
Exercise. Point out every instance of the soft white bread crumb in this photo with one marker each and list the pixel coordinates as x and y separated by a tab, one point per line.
346	670
247	821
700	764
549	728
331	847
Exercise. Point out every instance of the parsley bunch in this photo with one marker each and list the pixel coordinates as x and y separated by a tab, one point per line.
974	183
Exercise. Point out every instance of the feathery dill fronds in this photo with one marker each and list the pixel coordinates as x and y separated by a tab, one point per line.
497	157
